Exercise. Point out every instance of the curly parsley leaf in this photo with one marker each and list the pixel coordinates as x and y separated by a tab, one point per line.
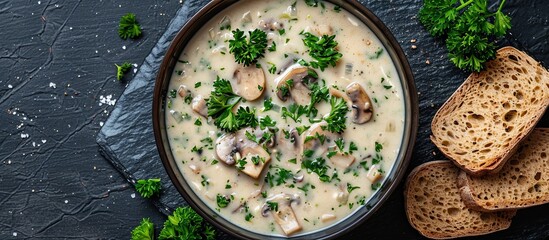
248	51
145	230
221	103
122	69
323	49
185	223
129	27
469	27
337	117
148	187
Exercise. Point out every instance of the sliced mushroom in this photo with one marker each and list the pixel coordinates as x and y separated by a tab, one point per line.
284	216
339	94
362	106
310	140
342	160
250	82
294	82
374	174
199	106
232	147
183	91
226	147
251	169
341	196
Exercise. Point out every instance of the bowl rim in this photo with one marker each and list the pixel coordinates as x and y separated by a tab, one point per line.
397	172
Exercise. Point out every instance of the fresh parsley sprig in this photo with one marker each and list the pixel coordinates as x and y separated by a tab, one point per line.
129	27
337	117
185	223
246	51
470	29
221	104
148	187
145	230
323	49
122	69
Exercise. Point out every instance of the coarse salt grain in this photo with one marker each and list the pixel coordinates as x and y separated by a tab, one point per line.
53	85
24	135
10	86
107	100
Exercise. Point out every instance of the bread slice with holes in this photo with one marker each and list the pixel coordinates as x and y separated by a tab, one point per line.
482	123
435	209
522	182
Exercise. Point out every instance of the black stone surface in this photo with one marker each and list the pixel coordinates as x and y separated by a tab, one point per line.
55	185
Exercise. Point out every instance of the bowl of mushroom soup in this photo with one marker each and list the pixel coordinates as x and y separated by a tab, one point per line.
285	119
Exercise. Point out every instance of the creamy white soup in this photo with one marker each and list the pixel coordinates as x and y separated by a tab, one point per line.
300	133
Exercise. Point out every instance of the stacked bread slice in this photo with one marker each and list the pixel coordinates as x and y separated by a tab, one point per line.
500	162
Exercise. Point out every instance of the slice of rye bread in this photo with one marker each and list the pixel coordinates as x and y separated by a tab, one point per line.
435	209
481	124
522	182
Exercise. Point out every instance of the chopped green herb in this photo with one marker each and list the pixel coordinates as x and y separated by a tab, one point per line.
148	187
122	69
266	122
376	54
222	201
198	122
205	182
197	84
273	206
294	111
267	104
145	230
293	160
352	147
245	51
185	223
322	49
128	27
272	48
350	187
336	118
272	69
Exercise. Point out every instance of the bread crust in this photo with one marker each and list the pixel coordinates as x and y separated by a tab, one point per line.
521	178
466	159
500	220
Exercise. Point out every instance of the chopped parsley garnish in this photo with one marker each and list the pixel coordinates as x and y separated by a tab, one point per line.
376	54
129	27
302	129
352	147
205	182
293	160
246	51
272	69
222	201
257	159
273	206
312	3
198	122
272	48
221	103
336	118
241	164
122	69
148	187
266	122
228	185
267	104
173	93
294	111
318	166
197	84
350	187
322	49
282	175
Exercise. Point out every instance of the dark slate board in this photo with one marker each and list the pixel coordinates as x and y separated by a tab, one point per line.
127	140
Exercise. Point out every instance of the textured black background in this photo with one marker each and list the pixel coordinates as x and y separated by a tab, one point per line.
55	184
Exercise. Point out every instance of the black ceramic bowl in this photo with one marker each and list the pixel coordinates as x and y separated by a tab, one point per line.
393	177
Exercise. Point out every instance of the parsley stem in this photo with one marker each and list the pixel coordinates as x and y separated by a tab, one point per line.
501	5
463	5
